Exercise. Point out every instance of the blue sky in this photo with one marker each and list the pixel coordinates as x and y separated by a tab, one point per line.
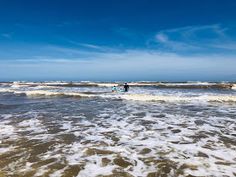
118	40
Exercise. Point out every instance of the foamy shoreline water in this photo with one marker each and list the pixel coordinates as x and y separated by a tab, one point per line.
89	131
139	93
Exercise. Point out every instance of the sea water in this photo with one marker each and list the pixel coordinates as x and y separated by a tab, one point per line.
83	129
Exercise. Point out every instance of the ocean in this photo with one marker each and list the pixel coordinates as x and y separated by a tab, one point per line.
83	129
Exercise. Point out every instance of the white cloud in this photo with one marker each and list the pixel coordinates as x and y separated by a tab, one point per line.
191	30
227	46
131	64
53	61
162	37
92	46
195	38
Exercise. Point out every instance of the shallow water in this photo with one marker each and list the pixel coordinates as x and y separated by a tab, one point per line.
112	135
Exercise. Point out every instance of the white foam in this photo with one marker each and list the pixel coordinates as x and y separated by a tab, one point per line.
134	136
188	83
234	87
107	84
145	97
41	171
5	149
135	97
136	94
145	83
6	130
57	173
6	90
52	93
67	126
89	170
35	127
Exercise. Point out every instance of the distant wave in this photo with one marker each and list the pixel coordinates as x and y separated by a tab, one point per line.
52	93
187	85
183	85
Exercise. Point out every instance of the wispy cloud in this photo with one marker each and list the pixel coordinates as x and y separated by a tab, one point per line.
195	38
226	46
7	35
66	50
162	38
92	46
173	45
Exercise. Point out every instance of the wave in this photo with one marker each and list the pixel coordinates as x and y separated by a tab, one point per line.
47	93
194	85
197	86
52	93
234	87
180	85
205	98
6	90
124	96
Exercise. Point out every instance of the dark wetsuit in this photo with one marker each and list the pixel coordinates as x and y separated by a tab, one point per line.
126	87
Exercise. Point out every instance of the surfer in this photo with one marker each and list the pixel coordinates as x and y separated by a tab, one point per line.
126	87
114	89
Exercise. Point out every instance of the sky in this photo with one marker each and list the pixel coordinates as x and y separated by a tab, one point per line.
112	40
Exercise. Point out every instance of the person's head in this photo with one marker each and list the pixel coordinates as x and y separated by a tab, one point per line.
125	83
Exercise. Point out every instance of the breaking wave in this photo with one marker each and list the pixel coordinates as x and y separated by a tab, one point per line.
182	85
234	87
207	98
128	96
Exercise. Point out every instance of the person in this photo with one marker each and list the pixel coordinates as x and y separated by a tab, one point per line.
114	89
126	87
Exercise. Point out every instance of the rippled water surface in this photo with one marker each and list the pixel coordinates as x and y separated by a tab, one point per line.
109	135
